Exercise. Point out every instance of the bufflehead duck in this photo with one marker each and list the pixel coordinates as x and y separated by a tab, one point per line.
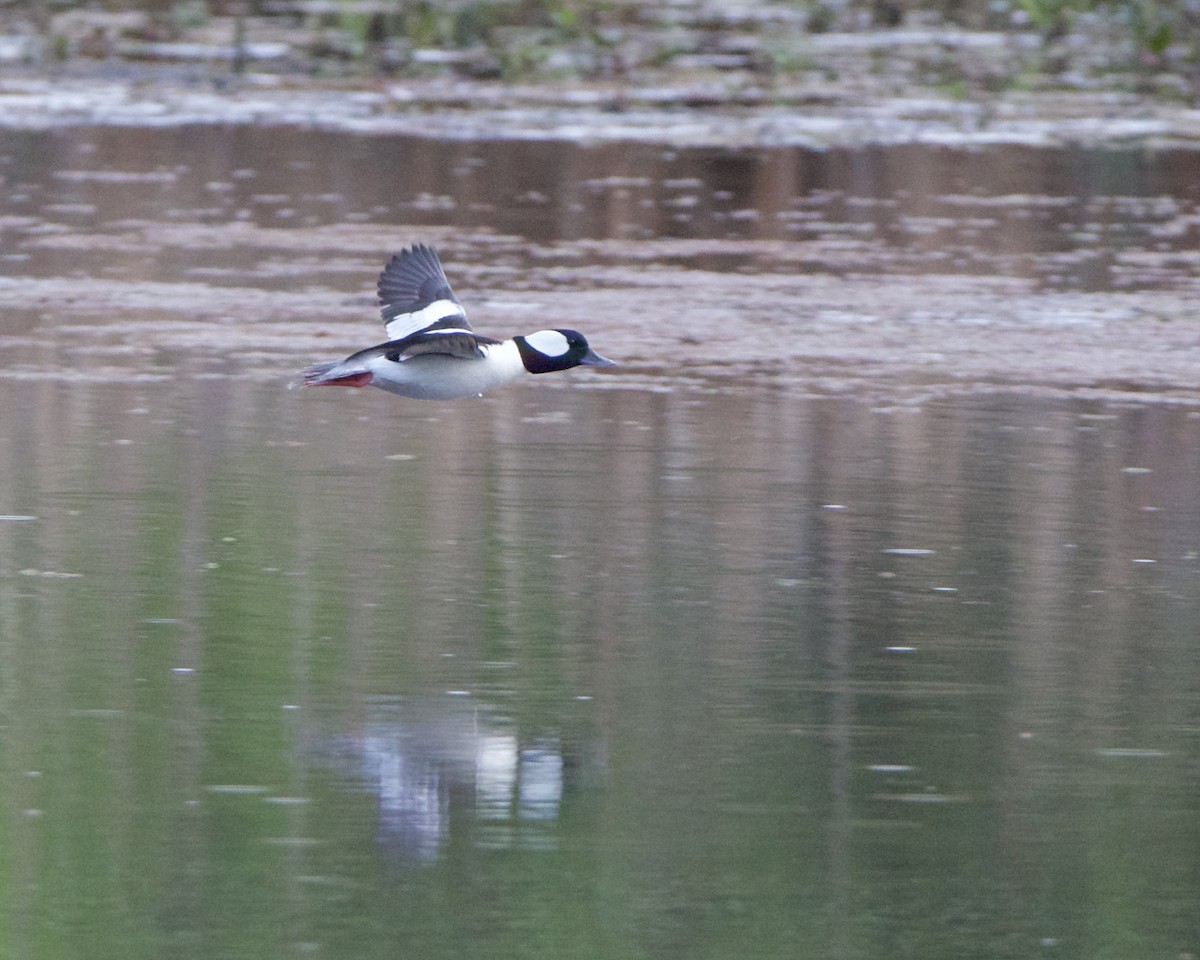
431	352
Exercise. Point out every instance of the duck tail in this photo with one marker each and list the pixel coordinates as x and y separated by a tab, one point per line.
324	375
311	376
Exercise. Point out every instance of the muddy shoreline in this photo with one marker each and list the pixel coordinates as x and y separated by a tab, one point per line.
684	74
678	112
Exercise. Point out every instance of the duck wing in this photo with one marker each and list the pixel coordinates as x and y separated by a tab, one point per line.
415	296
447	342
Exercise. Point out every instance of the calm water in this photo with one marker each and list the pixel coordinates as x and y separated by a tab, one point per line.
1066	219
597	674
584	669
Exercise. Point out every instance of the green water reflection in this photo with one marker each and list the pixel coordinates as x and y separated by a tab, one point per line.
595	673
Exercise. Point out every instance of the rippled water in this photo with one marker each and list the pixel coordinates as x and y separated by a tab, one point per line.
903	271
1073	219
623	665
596	674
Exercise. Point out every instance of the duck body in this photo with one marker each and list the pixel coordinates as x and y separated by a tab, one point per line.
432	353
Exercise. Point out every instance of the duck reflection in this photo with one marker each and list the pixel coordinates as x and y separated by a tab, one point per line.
434	765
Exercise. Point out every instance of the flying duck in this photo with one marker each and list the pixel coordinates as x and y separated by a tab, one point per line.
431	352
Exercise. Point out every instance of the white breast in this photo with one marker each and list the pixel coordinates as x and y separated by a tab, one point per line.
436	377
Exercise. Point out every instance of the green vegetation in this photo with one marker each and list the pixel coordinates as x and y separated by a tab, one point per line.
1097	42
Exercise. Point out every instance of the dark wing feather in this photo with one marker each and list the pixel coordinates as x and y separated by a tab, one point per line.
415	295
462	344
449	343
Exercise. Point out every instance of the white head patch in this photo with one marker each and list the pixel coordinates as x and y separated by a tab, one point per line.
549	343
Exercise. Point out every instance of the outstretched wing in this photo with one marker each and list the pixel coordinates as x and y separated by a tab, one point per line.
461	344
415	296
450	343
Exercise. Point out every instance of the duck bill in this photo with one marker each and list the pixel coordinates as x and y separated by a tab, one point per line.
593	359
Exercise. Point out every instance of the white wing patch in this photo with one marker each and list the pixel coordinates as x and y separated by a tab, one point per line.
404	324
549	343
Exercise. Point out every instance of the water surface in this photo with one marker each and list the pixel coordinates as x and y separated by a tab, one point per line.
596	673
899	270
852	615
1066	218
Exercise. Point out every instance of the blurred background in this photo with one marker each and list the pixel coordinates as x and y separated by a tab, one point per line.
1072	42
852	615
